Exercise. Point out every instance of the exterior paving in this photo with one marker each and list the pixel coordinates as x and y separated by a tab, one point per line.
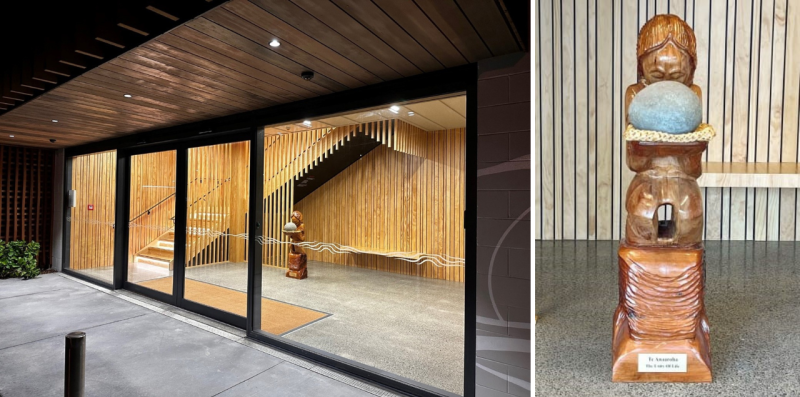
137	347
374	314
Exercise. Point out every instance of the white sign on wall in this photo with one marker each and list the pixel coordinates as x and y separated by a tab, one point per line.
662	362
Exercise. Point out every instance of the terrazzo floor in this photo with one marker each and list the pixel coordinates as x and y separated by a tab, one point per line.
753	305
405	325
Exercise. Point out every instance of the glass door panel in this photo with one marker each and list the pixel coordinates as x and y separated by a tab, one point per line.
372	263
90	220
216	226
151	228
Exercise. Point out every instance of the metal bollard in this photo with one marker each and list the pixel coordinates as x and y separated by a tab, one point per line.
74	364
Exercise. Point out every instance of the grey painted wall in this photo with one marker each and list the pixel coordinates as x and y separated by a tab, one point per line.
58	209
504	227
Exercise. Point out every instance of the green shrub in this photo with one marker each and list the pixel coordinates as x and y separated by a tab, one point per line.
18	259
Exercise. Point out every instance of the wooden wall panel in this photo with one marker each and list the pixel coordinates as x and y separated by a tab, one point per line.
91	234
748	54
152	202
287	157
217	195
404	196
218	192
391	201
26	197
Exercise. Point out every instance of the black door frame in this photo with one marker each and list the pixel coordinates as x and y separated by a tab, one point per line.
181	179
249	125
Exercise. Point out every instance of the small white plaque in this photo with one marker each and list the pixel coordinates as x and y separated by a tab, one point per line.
661	362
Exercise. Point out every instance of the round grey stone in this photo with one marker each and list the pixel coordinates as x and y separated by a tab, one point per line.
666	106
290	227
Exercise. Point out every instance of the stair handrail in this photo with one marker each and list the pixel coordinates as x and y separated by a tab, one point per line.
299	155
219	184
147	211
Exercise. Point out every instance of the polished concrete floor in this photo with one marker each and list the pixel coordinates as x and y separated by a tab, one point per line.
752	301
405	325
139	347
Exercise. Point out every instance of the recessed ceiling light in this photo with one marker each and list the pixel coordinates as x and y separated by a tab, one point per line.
54	120
307	123
274	43
127	95
410	113
394	109
11	136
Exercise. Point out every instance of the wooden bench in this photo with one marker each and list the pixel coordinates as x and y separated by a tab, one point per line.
754	175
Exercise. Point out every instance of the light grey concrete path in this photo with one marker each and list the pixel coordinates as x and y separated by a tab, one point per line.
140	347
373	314
752	301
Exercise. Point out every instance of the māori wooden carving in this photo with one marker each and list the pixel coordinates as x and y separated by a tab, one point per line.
297	256
661	279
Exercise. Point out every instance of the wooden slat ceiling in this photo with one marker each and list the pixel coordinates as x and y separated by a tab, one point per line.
429	115
221	63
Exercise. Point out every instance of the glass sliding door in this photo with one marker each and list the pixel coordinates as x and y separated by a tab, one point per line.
151	226
216	226
90	216
363	239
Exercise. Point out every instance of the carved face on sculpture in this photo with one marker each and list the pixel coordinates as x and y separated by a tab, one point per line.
297	218
666	51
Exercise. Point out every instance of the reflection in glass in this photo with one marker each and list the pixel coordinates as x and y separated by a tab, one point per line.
151	228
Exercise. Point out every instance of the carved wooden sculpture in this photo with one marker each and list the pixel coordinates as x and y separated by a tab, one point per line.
660	319
297	257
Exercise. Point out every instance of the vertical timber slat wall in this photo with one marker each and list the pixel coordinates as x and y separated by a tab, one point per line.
407	195
152	202
217	203
286	157
378	198
92	231
26	197
748	54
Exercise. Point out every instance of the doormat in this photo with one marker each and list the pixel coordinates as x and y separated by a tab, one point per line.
277	318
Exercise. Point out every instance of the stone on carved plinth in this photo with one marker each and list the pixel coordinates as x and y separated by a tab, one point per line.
661	331
297	257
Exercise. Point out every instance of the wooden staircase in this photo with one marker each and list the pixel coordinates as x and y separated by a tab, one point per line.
161	252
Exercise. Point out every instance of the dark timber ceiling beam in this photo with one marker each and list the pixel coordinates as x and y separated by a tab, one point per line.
46	46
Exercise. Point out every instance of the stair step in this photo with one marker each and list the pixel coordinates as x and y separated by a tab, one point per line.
168	237
166	244
157	253
208	216
151	261
196	231
201	222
